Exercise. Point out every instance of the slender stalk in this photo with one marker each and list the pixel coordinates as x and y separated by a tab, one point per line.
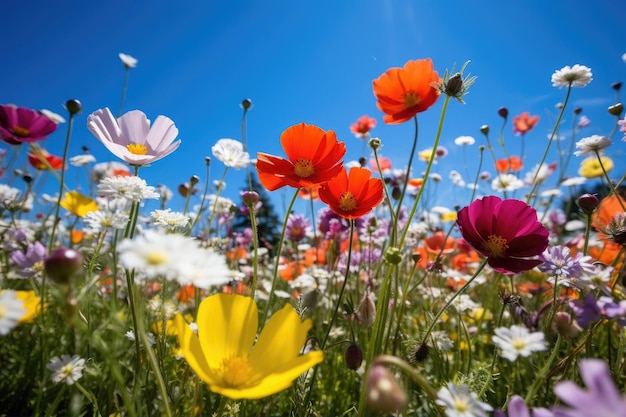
255	251
124	89
608	179
543	373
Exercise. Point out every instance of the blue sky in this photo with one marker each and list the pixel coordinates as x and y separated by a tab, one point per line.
313	62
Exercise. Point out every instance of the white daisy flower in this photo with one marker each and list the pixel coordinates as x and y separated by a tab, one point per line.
506	182
205	269
82	160
127	60
171	220
11	311
460	402
231	153
573	181
464	141
131	188
517	340
576	76
66	368
105	219
592	144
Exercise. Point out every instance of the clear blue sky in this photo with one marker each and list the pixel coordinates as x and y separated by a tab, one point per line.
308	61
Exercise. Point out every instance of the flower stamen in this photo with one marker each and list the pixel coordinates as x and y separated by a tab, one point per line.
137	149
21	131
411	98
304	168
236	371
496	245
347	201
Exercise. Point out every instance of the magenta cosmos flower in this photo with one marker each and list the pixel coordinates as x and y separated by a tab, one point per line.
507	232
131	138
19	125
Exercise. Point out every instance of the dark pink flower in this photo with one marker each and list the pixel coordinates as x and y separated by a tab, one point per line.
507	232
19	125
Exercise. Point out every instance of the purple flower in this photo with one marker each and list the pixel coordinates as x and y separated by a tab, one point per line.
518	408
600	399
586	310
298	226
558	262
20	124
31	261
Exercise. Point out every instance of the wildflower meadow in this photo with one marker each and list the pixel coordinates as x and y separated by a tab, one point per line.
510	303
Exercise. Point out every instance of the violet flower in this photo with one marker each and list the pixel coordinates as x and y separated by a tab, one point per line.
30	262
20	124
298	227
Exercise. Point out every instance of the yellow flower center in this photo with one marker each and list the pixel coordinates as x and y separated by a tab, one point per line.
2	311
496	245
411	99
67	369
347	201
21	131
236	371
137	148
156	258
519	344
304	168
460	405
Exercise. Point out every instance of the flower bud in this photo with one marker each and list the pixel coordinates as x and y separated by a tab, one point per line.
393	255
454	85
484	129
383	393
588	203
419	353
62	264
374	143
207	160
503	112
362	162
578	110
396	192
246	103
616	86
366	312
616	109
194	180
565	325
353	356
250	198
73	106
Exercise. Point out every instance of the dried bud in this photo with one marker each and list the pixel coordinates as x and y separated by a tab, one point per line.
194	180
419	353
27	178
207	160
455	85
62	264
383	393
616	85
503	112
374	143
85	149
588	203
393	255
362	162
616	109
246	104
578	110
353	356
250	198
73	106
565	325
484	129
396	192
416	256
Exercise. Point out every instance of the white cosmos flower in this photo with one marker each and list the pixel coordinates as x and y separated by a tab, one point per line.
171	220
231	153
205	269
131	138
591	144
518	341
131	188
573	181
82	160
56	118
66	368
464	141
506	182
576	76
127	60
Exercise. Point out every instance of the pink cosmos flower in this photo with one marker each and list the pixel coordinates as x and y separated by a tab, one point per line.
20	124
131	138
507	232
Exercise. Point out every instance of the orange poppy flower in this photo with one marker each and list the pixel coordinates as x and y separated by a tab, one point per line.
438	242
36	160
404	92
77	236
606	211
362	127
291	270
512	164
352	195
315	156
524	123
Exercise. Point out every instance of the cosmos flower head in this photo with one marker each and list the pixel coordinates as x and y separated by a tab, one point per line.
401	93
518	341
507	232
591	167
131	138
354	194
524	123
362	127
592	144
66	368
127	60
23	125
575	76
231	153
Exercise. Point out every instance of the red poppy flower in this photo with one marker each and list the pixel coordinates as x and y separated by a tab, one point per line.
404	92
35	160
19	124
352	195
511	164
385	164
315	156
362	127
507	232
524	123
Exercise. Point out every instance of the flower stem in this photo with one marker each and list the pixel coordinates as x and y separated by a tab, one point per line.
608	179
541	376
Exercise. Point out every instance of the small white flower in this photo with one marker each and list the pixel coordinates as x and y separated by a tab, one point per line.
130	335
204	269
56	118
460	402
464	141
517	340
573	181
131	188
592	144
441	339
506	182
128	61
169	219
221	205
231	153
624	57
66	368
105	219
575	76
11	310
82	160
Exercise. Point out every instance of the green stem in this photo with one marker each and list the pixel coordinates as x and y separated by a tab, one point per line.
608	179
124	88
411	371
255	251
541	376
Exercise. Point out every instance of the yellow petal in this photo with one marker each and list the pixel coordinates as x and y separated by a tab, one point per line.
276	382
280	341
227	326
31	304
190	347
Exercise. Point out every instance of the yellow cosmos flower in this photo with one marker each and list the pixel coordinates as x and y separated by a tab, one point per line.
223	355
79	204
590	167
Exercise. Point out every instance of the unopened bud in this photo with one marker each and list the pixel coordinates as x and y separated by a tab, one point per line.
578	110
616	109
62	264
503	112
484	129
383	393
393	255
588	203
396	192
565	325
250	198
207	160
419	353
246	103
455	85
616	85
362	162
73	106
353	356
27	178
374	143
366	312
194	180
